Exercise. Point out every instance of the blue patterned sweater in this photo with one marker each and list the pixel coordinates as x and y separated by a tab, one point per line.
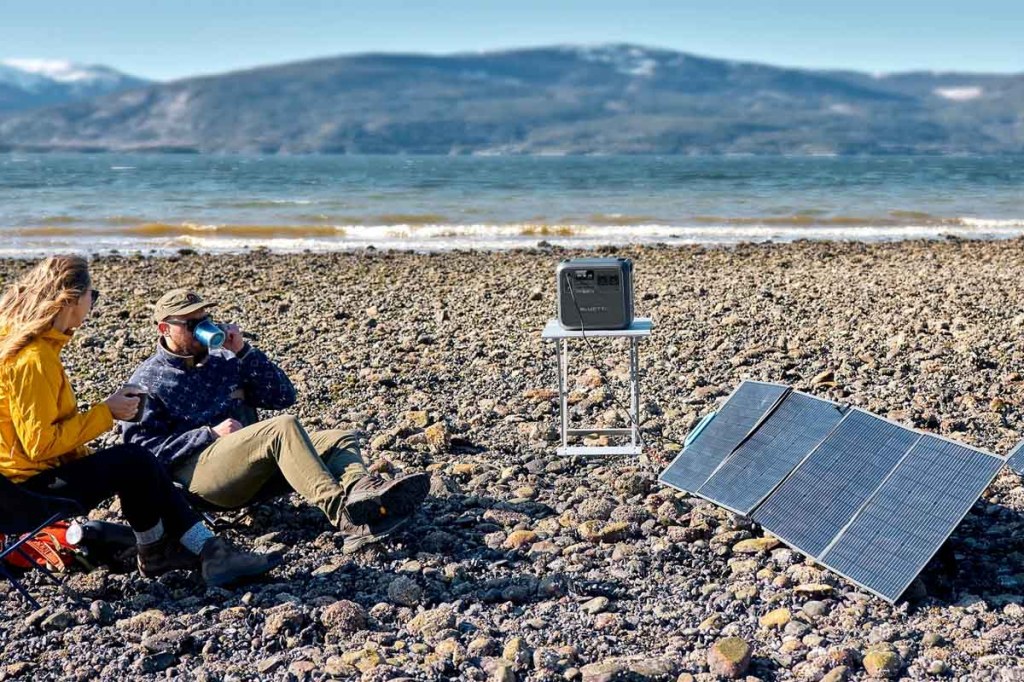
186	399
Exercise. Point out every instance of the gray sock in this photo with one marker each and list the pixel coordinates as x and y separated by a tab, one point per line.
148	537
195	537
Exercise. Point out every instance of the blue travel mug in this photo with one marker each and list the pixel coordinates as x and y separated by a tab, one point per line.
209	334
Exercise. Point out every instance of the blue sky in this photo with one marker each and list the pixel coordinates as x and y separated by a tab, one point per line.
168	39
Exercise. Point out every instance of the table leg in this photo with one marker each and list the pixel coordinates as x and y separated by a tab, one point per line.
563	380
634	380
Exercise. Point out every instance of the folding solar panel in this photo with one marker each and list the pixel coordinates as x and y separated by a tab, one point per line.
740	414
762	461
1016	458
905	521
823	493
866	497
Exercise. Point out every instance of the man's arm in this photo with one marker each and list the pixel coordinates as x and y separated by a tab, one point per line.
266	385
157	432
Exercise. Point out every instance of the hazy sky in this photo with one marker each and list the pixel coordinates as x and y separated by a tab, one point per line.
166	39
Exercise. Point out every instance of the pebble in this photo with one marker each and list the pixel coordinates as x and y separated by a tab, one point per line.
595	605
405	591
814	608
57	621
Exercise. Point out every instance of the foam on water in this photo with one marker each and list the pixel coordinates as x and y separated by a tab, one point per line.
166	238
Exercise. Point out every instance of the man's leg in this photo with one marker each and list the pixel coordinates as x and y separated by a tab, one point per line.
340	452
235	468
398	498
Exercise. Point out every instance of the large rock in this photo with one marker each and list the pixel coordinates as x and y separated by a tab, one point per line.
283	618
630	668
343	617
755	545
776	619
729	657
430	622
519	538
882	663
518	653
438	437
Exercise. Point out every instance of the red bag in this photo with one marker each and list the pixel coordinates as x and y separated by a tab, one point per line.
49	548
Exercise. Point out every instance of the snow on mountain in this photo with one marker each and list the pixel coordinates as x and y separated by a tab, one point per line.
61	71
960	94
29	83
626	59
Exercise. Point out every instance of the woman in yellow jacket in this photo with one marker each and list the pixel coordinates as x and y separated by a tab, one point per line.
43	435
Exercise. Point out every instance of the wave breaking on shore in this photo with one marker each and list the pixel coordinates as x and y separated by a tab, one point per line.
120	234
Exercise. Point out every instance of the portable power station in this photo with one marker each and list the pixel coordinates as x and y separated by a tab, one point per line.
595	293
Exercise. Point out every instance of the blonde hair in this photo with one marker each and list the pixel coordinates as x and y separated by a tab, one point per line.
30	305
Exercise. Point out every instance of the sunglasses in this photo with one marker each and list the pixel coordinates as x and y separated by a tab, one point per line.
190	325
95	298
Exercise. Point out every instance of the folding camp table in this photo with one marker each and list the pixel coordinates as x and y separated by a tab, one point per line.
640	328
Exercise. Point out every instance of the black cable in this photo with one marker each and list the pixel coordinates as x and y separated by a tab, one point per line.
597	364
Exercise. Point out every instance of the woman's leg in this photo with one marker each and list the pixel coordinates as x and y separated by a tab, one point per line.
149	502
148	497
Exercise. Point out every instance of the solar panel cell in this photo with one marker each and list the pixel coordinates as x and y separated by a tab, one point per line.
822	494
1016	458
911	514
754	469
741	413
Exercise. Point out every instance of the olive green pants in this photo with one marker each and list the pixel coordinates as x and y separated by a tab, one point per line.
271	458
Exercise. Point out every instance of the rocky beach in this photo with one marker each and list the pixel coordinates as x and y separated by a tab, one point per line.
526	566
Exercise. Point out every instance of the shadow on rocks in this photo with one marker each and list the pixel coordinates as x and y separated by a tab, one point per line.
983	558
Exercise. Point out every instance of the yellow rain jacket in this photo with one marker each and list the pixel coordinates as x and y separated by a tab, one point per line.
40	425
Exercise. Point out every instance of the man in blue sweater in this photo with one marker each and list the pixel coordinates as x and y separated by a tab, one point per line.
201	422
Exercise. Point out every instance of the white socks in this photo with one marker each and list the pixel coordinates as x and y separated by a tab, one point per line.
148	537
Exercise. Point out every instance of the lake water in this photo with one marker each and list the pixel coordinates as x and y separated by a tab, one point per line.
162	203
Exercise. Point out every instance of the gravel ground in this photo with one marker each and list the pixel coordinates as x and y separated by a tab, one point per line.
523	565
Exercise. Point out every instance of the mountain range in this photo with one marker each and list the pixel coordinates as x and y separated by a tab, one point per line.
558	100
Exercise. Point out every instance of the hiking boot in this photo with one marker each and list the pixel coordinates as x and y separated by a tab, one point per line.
164	555
357	537
224	563
372	499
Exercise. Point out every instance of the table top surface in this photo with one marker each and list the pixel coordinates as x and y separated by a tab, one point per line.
641	326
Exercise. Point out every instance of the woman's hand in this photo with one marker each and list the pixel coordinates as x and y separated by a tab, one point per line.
121	405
